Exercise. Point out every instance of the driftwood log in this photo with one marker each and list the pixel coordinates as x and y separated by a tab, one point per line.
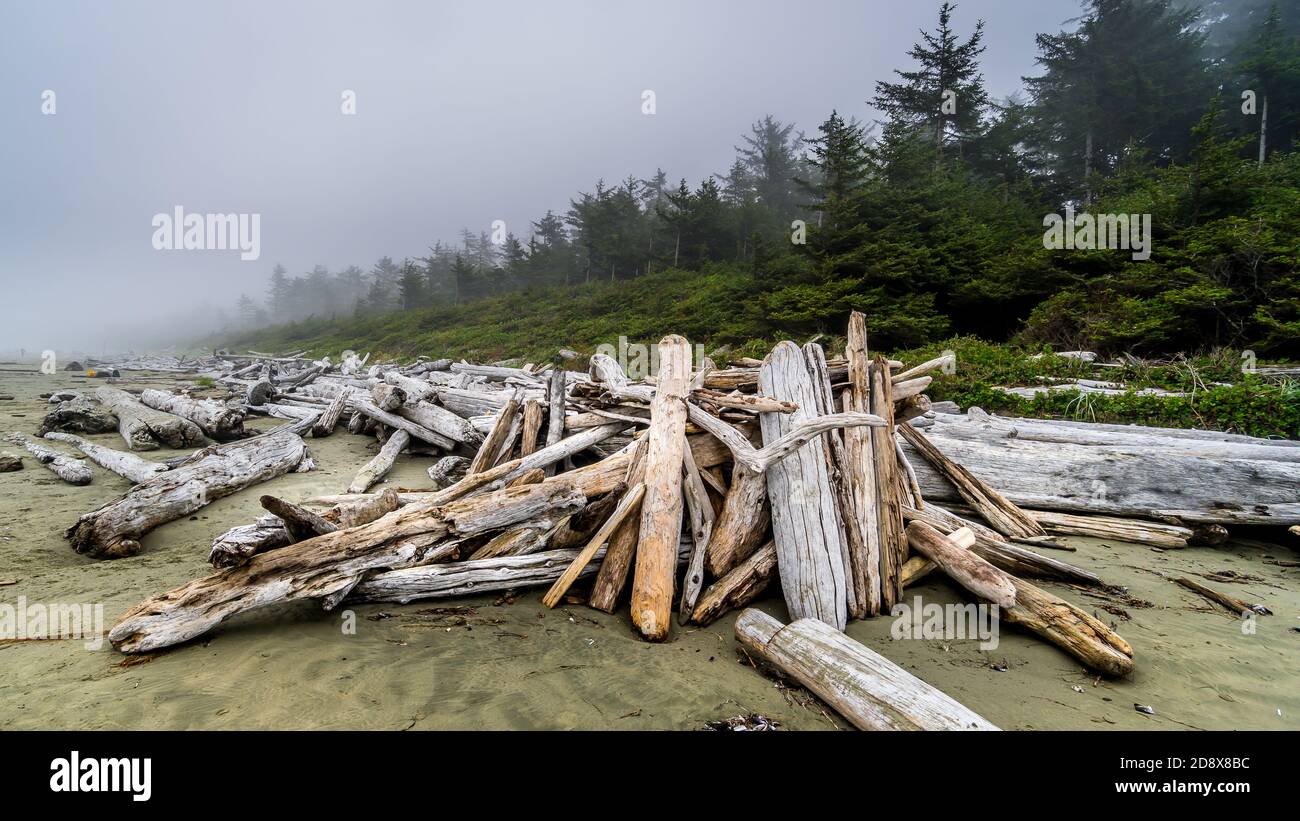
145	428
863	686
61	465
216	420
127	465
114	530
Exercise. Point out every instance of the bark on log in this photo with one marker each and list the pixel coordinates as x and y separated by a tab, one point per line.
61	465
805	523
866	688
216	420
329	566
127	465
661	509
145	428
378	467
114	530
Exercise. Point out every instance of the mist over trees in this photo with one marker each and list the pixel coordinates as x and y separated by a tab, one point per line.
931	220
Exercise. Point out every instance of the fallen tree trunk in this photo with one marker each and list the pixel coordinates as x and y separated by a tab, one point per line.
962	566
216	420
863	686
113	531
145	428
78	415
61	465
127	465
860	474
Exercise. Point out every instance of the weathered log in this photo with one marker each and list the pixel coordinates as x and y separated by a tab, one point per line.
742	524
661	510
859	471
127	465
364	406
330	566
962	566
1233	605
1005	517
114	530
10	463
627	506
299	522
467	578
863	686
441	421
853	541
378	467
78	415
889	507
329	420
499	438
1158	483
237	544
448	470
532	427
805	523
388	397
741	585
701	518
145	428
1136	531
555	396
1079	634
216	420
61	465
943	362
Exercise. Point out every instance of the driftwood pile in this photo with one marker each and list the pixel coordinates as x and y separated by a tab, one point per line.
685	495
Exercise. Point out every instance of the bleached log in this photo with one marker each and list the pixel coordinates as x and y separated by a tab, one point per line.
363	405
1152	483
298	522
388	397
145	428
805	523
661	509
113	530
329	567
127	465
944	362
532	427
448	470
467	578
997	510
555	396
378	467
741	585
216	420
1136	531
441	421
499	438
701	519
238	543
863	686
329	419
742	524
902	391
61	465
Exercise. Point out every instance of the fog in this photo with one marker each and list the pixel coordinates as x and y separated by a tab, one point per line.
465	113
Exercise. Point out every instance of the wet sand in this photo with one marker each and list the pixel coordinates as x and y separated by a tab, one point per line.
489	663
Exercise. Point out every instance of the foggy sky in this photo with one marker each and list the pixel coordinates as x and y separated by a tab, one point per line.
467	112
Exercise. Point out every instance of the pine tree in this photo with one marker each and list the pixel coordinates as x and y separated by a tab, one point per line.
411	286
945	95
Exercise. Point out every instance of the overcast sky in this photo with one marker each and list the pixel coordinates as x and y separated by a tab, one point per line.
466	112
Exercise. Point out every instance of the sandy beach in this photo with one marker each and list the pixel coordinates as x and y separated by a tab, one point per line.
506	662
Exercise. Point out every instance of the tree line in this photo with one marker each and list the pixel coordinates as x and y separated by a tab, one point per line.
930	220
